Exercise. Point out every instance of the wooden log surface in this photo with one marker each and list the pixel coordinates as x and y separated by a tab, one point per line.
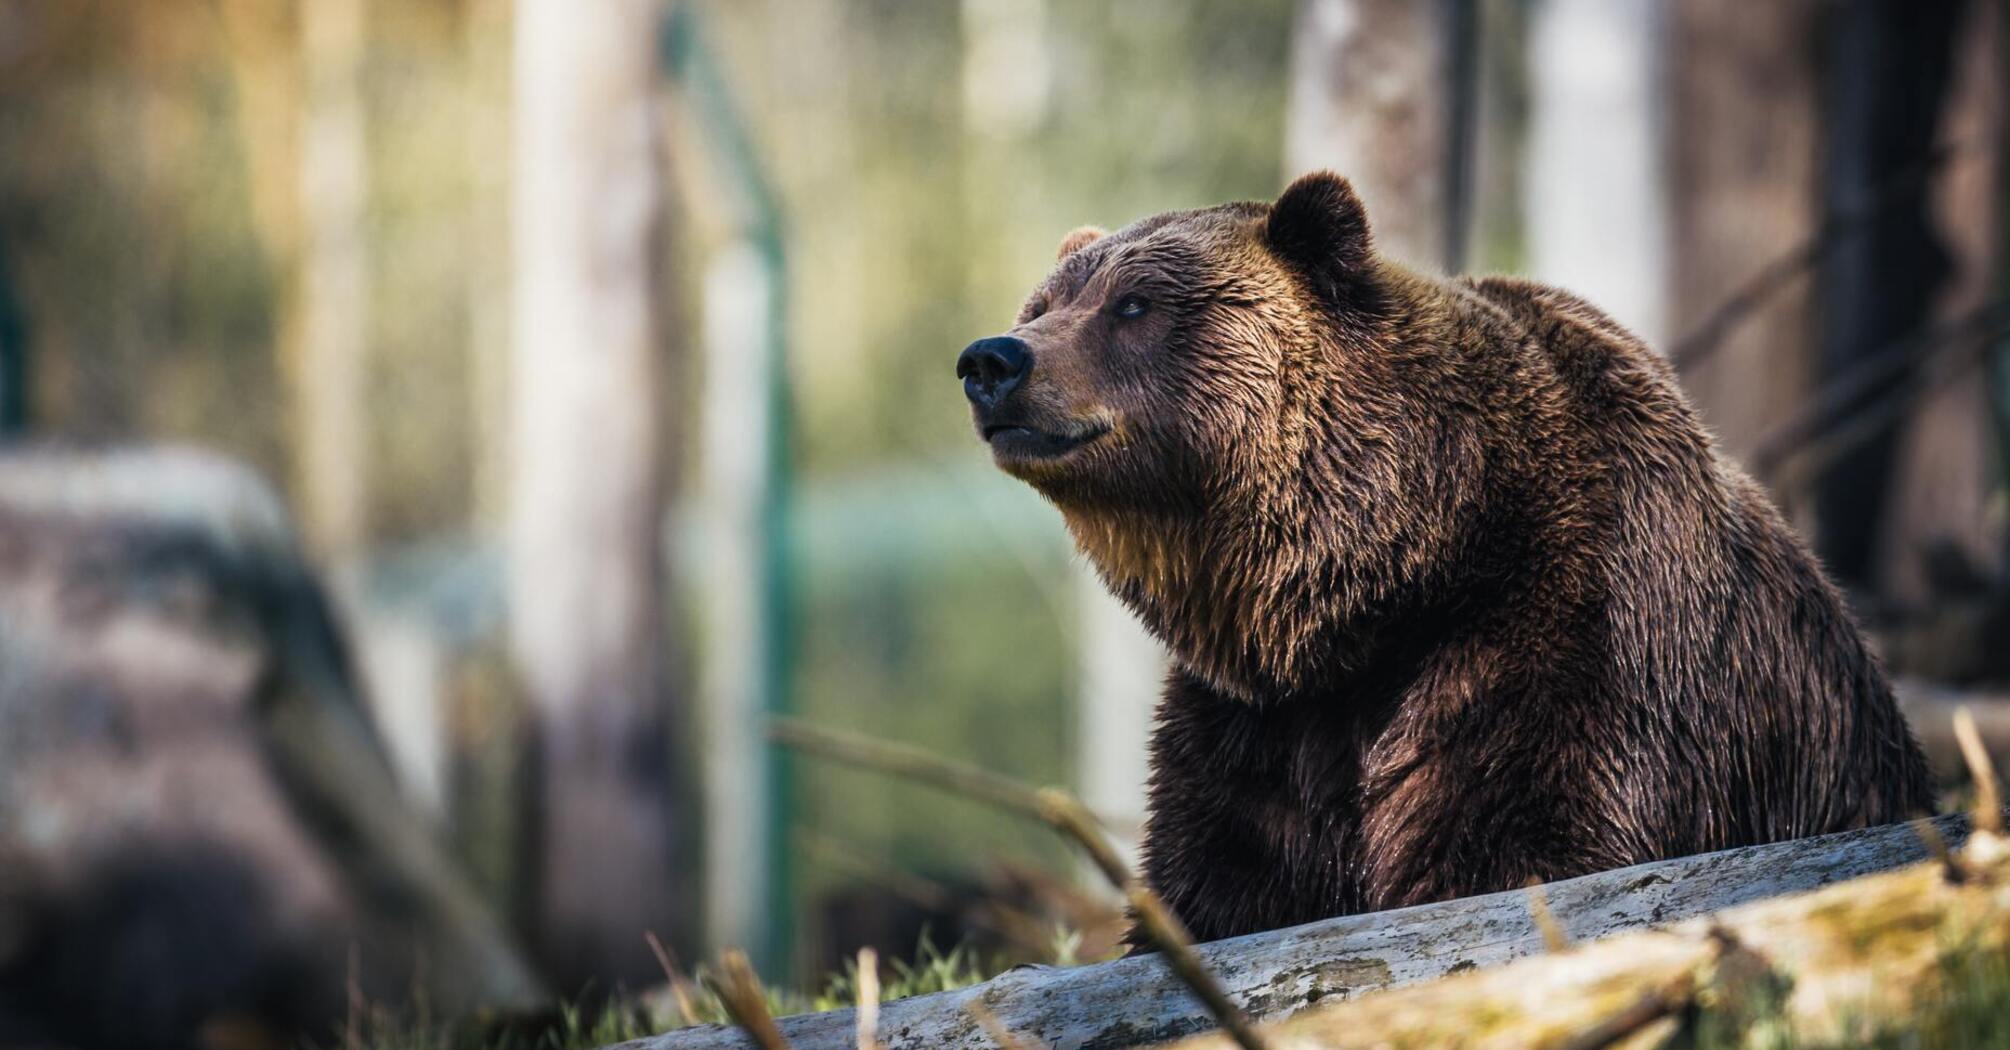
1834	966
1138	1001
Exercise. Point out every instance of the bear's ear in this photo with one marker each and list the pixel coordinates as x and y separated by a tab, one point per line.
1077	239
1319	227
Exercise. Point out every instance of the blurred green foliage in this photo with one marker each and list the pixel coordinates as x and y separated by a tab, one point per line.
929	156
939	609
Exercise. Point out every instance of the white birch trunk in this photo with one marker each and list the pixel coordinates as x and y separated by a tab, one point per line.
585	573
1593	189
1369	99
333	318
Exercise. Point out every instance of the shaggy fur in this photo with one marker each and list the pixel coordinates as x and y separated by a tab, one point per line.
1459	591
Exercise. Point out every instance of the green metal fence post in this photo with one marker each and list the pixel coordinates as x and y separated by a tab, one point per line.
692	66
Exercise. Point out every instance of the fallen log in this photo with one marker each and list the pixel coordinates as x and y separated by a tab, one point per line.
1812	969
1139	1001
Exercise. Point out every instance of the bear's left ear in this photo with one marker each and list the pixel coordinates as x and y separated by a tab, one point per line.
1320	228
1077	239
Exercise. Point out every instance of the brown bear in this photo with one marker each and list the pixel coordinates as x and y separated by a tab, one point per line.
1459	592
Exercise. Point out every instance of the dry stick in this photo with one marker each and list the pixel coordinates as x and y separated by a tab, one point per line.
1988	796
1167	933
1649	1008
1060	810
1013	924
910	763
1878	379
1736	308
1553	936
680	986
1067	813
868	999
994	1027
1929	836
1882	412
1657	1003
1172	939
740	992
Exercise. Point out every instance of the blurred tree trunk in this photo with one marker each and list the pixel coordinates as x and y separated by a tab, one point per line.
1122	671
1497	241
13	356
1742	144
486	47
331	319
1889	72
586	574
1936	505
2000	358
1596	204
1375	95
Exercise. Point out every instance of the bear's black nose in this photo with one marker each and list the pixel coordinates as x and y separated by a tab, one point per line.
990	368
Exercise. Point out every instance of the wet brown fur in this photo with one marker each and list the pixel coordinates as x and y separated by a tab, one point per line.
1458	590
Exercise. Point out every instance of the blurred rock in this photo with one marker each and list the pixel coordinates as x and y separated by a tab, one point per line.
200	844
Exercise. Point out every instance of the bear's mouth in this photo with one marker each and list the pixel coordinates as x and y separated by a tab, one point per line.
1019	441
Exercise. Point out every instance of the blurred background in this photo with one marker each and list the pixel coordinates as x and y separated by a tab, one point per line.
442	432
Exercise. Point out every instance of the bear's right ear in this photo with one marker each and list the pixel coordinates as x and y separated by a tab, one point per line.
1319	227
1077	239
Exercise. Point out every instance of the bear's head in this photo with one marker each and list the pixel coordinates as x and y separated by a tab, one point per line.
1216	401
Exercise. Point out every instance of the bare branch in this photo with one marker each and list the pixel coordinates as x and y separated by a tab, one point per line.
1652	1006
680	986
1176	944
993	1027
1544	919
1874	393
1774	277
868	999
1988	793
910	763
1936	846
740	992
1065	814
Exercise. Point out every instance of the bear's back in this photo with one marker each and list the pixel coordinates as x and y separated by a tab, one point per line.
1771	717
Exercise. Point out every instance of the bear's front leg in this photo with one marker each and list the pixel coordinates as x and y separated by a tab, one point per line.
1253	812
1465	798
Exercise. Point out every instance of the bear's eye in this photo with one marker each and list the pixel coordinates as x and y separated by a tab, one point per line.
1132	307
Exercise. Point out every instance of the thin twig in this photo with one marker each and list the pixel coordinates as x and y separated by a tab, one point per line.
868	999
910	763
1553	936
1876	382
1073	819
1738	307
1988	794
680	986
739	991
993	1027
1013	924
1173	941
1064	813
1656	1004
1936	847
1671	998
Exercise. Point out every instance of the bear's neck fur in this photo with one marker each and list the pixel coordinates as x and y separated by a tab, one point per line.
1293	582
